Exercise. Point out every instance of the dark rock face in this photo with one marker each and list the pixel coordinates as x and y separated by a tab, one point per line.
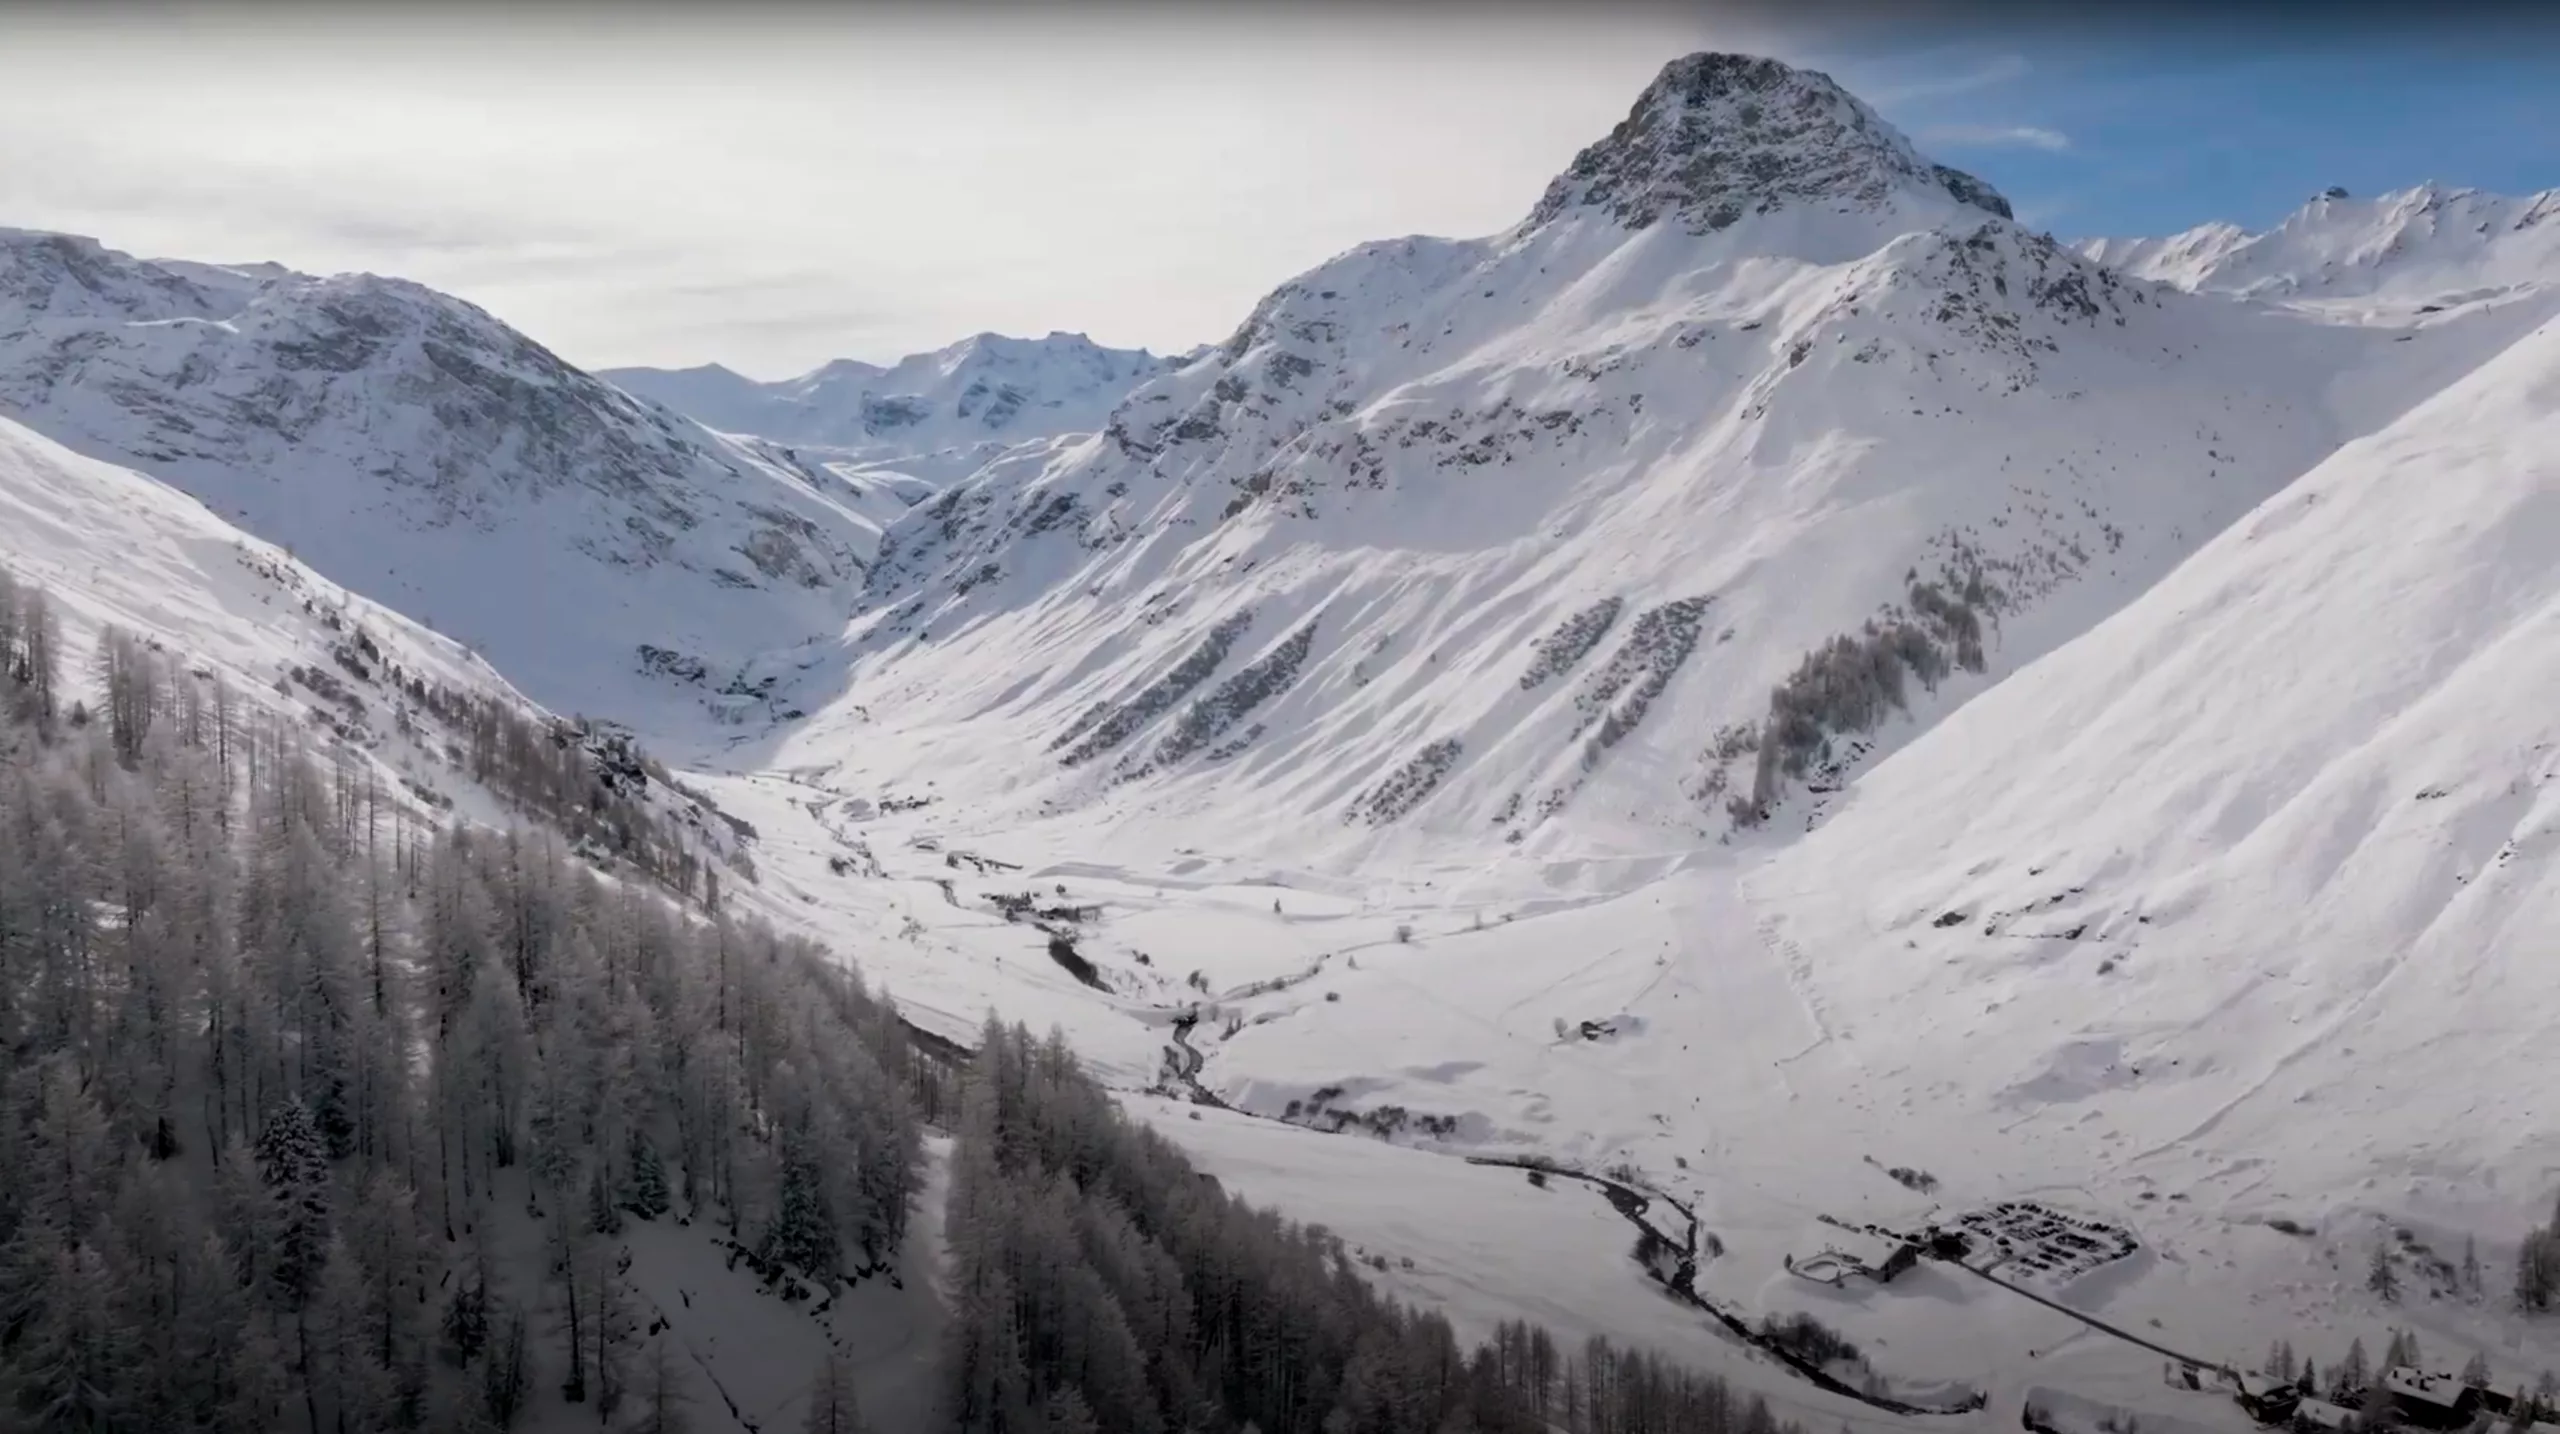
1971	190
1717	136
68	276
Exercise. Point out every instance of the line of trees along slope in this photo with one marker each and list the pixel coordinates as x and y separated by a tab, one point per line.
275	1070
1103	1284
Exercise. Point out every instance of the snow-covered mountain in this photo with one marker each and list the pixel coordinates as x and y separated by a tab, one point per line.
113	548
2427	246
602	551
2221	925
1767	677
2277	840
940	413
1628	521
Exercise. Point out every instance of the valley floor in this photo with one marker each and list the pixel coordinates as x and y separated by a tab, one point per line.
1720	1066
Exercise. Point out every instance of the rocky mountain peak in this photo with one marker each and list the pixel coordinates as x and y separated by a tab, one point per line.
51	275
1718	136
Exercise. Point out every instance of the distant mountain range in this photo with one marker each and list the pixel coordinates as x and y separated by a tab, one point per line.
942	411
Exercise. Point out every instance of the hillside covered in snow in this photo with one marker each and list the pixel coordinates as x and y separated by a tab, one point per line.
425	729
1760	441
2275	841
1849	599
602	552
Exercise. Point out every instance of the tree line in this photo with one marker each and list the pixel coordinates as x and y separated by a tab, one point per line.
276	1058
1103	1283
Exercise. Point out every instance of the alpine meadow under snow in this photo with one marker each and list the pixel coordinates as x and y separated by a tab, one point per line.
1564	796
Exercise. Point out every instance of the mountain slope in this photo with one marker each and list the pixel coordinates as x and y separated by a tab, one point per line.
2220	924
413	708
417	450
942	412
2426	245
1510	540
2279	838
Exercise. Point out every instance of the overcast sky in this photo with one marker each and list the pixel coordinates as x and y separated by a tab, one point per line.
784	187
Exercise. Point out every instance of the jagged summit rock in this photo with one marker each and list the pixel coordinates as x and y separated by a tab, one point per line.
1717	136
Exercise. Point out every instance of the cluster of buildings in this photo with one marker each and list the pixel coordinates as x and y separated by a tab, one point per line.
2411	1399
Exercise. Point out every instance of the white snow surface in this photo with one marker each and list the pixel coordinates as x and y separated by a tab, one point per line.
2267	853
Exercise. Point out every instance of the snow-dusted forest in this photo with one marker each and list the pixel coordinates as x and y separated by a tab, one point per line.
289	1072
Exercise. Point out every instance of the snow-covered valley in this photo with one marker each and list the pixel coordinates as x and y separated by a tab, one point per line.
1768	682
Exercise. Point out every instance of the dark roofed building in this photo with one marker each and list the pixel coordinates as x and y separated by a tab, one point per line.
2430	1401
2268	1399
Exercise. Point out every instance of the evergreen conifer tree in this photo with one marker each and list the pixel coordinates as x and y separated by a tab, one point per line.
603	1216
2353	1374
2380	1277
2537	1270
661	1393
833	1408
466	1322
74	1363
648	1179
803	1229
258	1382
293	1167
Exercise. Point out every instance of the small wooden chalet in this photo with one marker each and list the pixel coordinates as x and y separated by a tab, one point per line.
2430	1401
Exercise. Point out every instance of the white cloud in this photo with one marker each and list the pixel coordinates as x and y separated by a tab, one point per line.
1997	136
784	188
1901	86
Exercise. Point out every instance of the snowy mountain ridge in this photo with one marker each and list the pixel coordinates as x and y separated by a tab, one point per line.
941	412
1510	540
2429	244
416	449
